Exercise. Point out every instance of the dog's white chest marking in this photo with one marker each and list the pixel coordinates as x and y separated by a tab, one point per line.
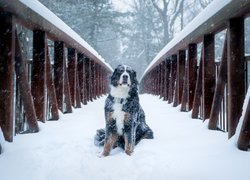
118	115
119	93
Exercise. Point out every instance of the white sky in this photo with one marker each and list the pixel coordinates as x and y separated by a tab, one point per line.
122	5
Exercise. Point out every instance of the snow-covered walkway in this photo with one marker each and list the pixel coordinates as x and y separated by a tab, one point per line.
183	149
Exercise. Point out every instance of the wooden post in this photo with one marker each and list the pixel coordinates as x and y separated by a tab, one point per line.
7	54
38	78
192	73
78	91
208	74
163	69
167	74
59	61
51	89
219	89
25	90
244	138
236	74
80	74
72	68
170	90
184	99
67	91
87	75
180	77
174	69
198	92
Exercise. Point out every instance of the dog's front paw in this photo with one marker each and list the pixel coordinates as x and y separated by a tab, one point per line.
128	152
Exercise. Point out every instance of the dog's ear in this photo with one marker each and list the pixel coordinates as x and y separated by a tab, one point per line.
114	78
134	77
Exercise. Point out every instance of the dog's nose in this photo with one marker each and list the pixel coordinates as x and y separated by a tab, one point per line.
125	76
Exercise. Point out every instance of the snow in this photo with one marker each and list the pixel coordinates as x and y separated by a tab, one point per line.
39	8
183	148
207	13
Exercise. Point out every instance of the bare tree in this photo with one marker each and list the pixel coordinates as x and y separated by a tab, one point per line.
169	11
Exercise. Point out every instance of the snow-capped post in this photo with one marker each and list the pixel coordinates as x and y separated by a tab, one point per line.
180	77
236	73
192	73
59	60
219	89
38	80
24	89
198	91
51	89
208	74
72	68
7	55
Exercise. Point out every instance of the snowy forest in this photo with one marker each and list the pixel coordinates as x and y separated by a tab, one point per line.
127	32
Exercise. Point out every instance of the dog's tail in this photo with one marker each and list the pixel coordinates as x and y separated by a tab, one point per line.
99	137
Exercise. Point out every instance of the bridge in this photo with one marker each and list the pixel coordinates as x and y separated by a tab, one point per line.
42	88
66	74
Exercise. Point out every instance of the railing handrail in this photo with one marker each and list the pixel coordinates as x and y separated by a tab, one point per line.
212	19
35	15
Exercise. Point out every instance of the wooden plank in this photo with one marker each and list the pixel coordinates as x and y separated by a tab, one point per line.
208	75
38	78
236	74
51	89
219	90
244	137
192	73
25	90
59	61
180	76
72	66
7	55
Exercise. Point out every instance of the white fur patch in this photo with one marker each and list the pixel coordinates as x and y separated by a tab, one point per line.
118	115
119	91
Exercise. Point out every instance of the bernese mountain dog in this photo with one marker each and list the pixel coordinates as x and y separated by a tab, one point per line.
124	117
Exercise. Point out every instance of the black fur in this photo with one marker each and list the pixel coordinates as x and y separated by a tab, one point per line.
135	127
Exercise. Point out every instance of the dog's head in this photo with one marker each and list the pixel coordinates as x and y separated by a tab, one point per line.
124	76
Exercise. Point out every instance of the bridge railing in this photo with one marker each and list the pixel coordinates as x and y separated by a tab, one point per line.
65	74
179	77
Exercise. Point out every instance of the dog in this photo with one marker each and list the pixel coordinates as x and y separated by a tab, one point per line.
124	117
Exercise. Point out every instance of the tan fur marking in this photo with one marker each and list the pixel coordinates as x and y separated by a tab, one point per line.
110	114
109	144
126	117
